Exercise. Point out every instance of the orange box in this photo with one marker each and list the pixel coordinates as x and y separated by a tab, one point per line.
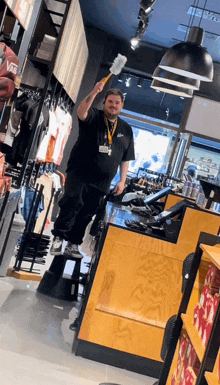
179	368
184	341
198	316
214	308
213	276
208	306
206	333
190	377
196	365
202	327
5	184
2	164
174	380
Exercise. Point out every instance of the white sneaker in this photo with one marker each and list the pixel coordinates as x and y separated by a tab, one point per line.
72	251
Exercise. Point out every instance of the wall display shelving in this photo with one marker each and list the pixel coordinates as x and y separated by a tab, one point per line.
54	59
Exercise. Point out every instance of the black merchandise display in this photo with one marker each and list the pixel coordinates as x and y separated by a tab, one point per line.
160	194
162	225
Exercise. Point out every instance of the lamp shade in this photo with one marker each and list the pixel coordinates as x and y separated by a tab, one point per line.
189	58
170	89
175	79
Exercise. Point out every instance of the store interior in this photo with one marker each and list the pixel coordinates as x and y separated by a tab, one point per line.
145	296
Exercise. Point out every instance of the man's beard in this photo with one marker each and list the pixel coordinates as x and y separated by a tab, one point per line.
110	116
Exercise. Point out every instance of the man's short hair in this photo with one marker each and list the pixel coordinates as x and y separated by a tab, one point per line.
116	92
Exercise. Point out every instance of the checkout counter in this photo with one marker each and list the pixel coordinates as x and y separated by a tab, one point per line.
134	287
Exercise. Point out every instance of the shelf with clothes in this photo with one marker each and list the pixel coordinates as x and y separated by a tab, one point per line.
26	142
21	127
28	125
22	152
50	135
45	174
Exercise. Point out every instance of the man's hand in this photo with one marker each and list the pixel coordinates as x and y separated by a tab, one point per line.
98	87
119	188
82	110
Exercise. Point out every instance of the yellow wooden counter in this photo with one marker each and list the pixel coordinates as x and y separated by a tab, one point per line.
137	286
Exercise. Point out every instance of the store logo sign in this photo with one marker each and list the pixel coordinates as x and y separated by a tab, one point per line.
12	67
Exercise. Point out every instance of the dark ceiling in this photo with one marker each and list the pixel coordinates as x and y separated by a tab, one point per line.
166	22
167	26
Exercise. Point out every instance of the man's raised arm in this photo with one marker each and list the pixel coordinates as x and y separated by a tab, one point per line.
85	105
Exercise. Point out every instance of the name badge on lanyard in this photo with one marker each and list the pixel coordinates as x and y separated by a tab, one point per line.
110	136
105	150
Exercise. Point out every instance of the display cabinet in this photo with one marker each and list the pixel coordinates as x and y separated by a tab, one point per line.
192	326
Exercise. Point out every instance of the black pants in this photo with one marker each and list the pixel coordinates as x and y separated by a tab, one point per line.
77	207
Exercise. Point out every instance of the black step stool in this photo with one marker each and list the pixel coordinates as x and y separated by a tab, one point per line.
55	285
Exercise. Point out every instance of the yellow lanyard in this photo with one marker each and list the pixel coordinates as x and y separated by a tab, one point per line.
110	134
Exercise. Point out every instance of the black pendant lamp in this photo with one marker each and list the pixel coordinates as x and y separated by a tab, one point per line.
189	58
170	89
175	79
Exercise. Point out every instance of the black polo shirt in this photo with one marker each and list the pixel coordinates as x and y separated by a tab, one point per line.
92	166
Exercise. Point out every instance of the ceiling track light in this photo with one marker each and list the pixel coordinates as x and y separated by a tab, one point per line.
121	77
142	26
170	89
144	12
140	82
146	5
128	82
144	15
134	42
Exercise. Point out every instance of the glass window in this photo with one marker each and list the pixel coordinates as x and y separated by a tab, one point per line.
150	150
204	156
153	143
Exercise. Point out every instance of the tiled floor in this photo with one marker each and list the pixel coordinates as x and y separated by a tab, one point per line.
36	342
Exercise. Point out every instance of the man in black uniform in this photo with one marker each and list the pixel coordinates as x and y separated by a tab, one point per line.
105	142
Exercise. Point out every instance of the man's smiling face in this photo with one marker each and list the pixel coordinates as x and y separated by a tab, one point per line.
113	106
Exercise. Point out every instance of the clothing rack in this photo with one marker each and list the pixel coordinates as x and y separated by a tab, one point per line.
33	247
21	174
14	173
